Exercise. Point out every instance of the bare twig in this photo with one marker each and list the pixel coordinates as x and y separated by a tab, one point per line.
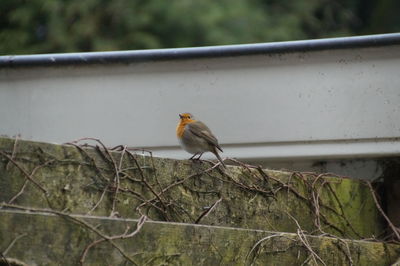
26	174
26	181
315	201
19	192
303	239
143	179
117	169
391	225
345	251
12	243
13	152
75	220
258	183
208	211
176	184
263	240
92	160
98	202
125	235
343	214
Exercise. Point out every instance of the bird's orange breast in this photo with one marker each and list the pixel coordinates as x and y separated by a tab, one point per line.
180	129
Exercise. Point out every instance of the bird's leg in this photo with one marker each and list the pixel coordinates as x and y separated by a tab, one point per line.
192	158
198	158
194	155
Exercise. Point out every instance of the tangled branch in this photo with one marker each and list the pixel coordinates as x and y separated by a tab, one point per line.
86	225
122	174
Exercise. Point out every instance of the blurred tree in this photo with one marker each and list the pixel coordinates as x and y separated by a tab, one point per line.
48	26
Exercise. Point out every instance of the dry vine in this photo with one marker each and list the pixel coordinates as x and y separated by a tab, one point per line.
121	168
3	254
29	177
86	225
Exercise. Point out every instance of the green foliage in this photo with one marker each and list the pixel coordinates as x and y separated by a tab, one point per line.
48	26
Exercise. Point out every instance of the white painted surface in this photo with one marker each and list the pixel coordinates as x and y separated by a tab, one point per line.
337	103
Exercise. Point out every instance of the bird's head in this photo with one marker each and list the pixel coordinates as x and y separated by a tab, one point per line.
186	117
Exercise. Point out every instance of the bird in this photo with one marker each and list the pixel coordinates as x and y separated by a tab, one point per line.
196	138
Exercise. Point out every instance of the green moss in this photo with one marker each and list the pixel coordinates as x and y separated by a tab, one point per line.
76	179
51	240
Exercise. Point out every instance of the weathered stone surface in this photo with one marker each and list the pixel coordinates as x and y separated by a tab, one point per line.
53	240
76	179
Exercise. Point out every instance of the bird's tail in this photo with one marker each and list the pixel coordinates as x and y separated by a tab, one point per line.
219	158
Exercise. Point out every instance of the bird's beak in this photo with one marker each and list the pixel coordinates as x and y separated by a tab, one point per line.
180	116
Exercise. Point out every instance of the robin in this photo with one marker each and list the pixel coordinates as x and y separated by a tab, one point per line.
196	138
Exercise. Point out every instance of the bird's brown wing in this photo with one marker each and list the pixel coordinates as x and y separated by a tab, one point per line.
201	130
